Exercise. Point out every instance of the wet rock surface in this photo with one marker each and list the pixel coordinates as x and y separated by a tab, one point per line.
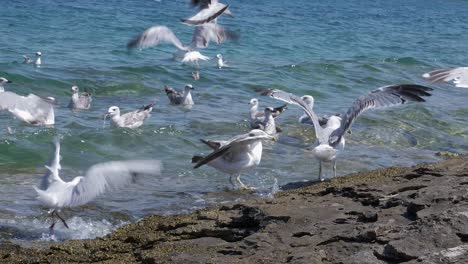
394	215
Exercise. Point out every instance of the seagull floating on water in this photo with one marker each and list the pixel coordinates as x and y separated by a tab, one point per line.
196	75
459	76
209	10
220	62
55	193
80	100
236	155
305	119
256	117
176	97
3	80
36	62
31	109
132	119
330	139
202	36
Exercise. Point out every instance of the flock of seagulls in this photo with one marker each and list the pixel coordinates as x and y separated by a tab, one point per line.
233	156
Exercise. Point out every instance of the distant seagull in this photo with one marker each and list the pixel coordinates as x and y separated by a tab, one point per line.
176	97
2	82
256	117
330	139
80	100
37	61
209	10
55	193
196	75
202	36
132	119
459	76
305	119
236	155
220	62
31	109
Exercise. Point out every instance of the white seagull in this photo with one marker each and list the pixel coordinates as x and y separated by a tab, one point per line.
55	193
202	36
236	155
220	62
209	10
80	100
256	117
305	119
3	80
36	62
132	119
176	97
459	76
330	139
31	109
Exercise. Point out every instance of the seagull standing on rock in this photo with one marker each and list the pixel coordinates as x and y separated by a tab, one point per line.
330	139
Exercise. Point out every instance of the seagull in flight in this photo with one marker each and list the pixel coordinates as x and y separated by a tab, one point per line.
55	193
31	109
330	139
80	100
202	36
459	76
177	98
210	10
132	119
236	155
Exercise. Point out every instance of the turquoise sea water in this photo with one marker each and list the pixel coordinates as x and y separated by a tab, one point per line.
333	50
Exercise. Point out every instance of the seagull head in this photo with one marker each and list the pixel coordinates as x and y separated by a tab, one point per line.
189	87
309	99
38	54
219	56
4	80
253	101
74	89
113	111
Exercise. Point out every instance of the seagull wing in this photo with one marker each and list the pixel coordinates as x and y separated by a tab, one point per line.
53	168
205	15
382	97
203	34
154	36
295	100
31	109
110	176
459	76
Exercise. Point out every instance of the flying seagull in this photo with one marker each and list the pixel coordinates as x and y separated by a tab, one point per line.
55	193
176	97
236	155
209	10
202	36
459	76
132	119
330	139
79	100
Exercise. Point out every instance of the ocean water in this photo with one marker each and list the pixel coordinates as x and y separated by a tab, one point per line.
333	50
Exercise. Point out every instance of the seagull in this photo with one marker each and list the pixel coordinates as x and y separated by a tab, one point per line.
37	61
80	100
459	76
31	109
330	139
236	155
196	75
256	117
55	193
132	119
3	80
202	35
176	97
209	10
220	62
305	119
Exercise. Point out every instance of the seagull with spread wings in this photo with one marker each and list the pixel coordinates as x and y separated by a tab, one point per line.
55	193
330	138
202	36
209	10
236	155
459	76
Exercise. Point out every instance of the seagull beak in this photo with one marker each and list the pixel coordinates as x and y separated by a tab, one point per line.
9	81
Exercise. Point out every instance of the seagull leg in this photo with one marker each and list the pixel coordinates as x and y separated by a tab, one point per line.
334	168
52	215
243	186
61	219
320	170
231	179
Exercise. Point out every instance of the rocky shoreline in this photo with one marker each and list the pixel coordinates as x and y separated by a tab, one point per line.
395	215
